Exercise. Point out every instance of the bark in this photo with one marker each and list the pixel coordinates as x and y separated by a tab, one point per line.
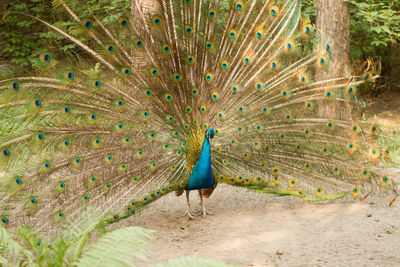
333	27
333	24
394	66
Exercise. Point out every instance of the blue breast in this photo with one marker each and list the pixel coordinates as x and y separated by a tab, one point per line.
201	176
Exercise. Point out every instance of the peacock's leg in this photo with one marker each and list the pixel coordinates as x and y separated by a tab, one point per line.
203	207
187	206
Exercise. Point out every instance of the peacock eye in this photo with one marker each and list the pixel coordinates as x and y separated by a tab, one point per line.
15	86
47	58
110	48
4	220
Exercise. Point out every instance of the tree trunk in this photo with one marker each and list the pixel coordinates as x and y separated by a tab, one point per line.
333	24
394	67
333	28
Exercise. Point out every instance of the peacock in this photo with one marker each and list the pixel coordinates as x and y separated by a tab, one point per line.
182	97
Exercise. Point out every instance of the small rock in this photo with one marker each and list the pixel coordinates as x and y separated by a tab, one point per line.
369	215
279	252
183	228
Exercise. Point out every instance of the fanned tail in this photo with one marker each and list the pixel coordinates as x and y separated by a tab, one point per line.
113	128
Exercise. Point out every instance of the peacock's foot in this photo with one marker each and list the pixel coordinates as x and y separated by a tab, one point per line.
187	212
204	212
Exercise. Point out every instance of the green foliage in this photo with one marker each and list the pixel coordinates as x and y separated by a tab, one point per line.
374	25
308	9
21	35
122	247
16	44
89	244
26	248
13	249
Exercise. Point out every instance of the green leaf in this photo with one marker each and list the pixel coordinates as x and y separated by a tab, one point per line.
122	247
386	29
4	261
12	248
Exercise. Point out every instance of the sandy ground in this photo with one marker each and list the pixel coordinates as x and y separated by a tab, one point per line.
252	229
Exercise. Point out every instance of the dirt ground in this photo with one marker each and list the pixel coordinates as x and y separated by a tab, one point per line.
386	107
253	229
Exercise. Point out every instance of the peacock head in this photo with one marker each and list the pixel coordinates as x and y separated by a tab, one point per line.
210	133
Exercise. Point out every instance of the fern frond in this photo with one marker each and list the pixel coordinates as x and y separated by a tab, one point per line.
14	251
122	247
80	234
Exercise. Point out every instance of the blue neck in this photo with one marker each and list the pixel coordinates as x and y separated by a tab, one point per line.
201	176
205	156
